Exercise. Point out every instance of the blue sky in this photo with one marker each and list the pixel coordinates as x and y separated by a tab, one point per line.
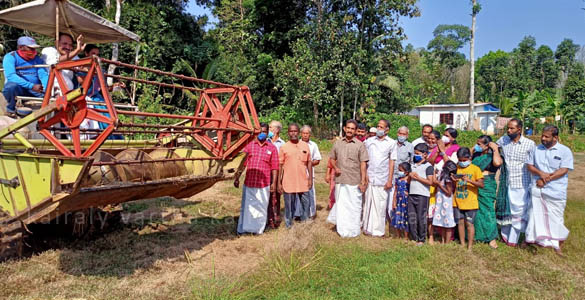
501	24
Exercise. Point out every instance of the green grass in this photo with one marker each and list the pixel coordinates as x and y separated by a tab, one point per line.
350	270
373	268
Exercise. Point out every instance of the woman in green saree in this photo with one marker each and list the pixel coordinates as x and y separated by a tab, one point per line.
487	157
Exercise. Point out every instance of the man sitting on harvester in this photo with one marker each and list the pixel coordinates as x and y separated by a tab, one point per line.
21	78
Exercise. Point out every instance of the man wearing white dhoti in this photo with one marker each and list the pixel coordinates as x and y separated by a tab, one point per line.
348	157
382	153
550	166
315	158
261	169
516	149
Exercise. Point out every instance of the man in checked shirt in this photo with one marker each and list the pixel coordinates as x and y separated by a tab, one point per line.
262	166
516	150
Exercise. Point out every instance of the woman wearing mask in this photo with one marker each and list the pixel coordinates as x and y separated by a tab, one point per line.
486	155
446	148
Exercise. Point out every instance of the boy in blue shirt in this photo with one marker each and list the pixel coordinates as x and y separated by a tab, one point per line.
25	81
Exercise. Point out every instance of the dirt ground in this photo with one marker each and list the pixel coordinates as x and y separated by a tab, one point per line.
164	245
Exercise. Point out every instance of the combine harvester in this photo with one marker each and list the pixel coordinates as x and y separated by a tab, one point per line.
49	177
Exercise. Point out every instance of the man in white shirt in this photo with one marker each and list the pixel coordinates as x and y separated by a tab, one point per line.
426	131
383	154
316	158
65	52
273	220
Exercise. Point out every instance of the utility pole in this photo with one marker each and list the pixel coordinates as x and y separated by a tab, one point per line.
474	10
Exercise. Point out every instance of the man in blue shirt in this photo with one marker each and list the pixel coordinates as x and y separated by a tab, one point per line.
549	165
21	79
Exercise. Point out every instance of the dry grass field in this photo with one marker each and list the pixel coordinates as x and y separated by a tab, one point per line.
188	249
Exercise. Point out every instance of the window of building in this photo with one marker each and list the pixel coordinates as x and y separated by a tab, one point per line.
446	119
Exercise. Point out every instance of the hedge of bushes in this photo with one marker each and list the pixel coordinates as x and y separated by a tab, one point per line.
464	138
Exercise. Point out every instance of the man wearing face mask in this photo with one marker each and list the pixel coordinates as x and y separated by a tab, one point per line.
21	78
513	204
261	162
383	155
404	154
549	166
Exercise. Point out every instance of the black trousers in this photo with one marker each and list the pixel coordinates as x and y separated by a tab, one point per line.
418	207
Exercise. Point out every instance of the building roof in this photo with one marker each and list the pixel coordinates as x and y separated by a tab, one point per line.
486	107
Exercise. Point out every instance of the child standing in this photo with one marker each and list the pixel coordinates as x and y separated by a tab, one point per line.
443	217
469	178
400	203
421	179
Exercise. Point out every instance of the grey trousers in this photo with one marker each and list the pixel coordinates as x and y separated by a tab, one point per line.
290	203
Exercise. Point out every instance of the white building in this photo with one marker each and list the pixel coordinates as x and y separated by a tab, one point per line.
456	116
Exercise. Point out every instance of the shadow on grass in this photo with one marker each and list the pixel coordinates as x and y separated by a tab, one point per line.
136	239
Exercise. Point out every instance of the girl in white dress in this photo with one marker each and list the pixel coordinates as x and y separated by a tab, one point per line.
443	216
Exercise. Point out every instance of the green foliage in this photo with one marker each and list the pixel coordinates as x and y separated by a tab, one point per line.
565	54
574	104
476	9
447	41
492	72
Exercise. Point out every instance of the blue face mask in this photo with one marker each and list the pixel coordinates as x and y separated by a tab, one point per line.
262	137
417	158
401	139
465	164
401	174
270	134
477	148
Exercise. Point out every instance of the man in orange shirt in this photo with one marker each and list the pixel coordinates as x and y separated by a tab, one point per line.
296	175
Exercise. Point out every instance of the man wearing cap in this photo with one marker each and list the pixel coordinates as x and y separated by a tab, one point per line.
372	132
21	78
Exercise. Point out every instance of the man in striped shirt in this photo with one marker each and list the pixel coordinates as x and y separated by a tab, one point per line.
516	150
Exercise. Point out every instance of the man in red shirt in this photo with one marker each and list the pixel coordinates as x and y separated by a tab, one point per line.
262	165
296	175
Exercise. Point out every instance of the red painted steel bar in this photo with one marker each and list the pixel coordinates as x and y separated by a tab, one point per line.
182	127
157	115
182	87
182	77
129	162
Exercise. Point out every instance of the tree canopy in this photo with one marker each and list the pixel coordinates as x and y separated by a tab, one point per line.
322	61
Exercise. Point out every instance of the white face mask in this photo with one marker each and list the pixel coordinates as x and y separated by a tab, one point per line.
401	139
446	140
380	133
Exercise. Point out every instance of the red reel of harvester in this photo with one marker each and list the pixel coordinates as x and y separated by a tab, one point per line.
73	109
238	114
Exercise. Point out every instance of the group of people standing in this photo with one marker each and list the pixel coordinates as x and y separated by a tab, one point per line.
422	189
274	169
